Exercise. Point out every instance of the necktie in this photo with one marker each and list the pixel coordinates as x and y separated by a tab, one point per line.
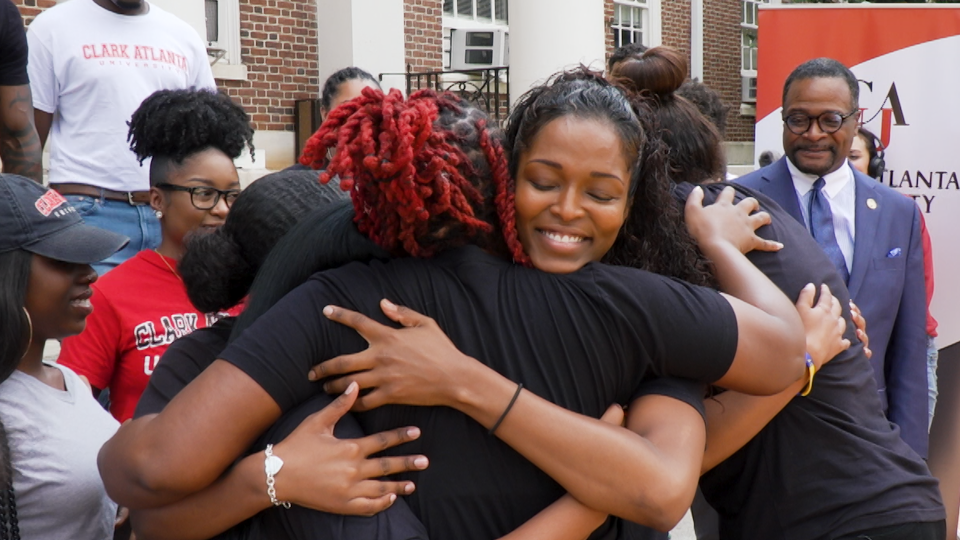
821	227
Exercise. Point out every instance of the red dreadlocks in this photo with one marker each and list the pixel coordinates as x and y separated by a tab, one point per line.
425	174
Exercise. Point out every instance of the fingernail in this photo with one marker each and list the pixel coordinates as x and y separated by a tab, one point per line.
350	389
413	432
393	497
388	304
328	310
408	488
311	375
421	462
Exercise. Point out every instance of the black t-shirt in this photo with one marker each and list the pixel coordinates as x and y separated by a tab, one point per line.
189	356
183	361
582	340
13	46
830	463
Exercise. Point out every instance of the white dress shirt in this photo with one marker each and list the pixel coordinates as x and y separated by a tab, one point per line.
841	192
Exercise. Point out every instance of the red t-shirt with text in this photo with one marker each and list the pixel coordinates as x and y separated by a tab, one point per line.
139	309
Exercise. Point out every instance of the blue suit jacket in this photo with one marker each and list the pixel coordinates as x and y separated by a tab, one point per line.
887	284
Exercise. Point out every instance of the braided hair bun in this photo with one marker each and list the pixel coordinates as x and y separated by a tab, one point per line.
660	71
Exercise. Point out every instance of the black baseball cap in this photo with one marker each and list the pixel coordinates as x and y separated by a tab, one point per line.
39	220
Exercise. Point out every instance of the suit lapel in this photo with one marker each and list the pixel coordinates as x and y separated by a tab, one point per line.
867	224
778	185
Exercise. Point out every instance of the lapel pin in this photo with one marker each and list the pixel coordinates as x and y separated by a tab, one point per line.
895	252
871	204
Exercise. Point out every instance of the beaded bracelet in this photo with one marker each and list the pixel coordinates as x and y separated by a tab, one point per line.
811	371
509	406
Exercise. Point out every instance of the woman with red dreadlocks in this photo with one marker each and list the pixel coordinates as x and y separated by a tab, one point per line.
428	177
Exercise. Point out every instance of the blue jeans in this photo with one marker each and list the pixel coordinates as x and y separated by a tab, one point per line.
137	222
933	355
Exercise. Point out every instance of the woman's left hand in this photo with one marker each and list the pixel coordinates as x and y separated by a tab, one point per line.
824	324
726	222
414	365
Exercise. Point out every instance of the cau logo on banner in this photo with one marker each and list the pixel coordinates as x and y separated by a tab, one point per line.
891	115
890	111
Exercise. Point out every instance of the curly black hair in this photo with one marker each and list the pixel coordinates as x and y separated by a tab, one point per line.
708	101
171	125
630	50
218	267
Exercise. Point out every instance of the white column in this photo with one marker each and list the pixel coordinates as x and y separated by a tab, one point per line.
696	39
353	33
547	36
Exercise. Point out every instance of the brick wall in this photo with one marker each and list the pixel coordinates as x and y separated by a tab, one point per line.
423	34
675	25
31	8
721	62
278	42
607	21
278	39
721	51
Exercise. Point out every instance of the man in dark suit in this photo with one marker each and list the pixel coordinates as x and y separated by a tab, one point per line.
870	232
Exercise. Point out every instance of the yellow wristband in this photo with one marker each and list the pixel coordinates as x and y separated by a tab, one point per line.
811	371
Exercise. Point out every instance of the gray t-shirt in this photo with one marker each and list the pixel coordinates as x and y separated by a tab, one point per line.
54	437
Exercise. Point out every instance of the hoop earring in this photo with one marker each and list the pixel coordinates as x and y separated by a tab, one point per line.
30	329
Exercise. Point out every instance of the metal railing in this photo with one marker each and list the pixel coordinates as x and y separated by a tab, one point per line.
487	89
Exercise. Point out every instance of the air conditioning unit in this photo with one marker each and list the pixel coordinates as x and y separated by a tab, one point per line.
748	89
478	49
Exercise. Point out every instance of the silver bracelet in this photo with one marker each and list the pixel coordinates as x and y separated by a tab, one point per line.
272	465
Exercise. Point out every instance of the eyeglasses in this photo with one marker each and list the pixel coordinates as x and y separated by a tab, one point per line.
204	198
829	122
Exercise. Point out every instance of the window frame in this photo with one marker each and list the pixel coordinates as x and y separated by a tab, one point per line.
451	23
651	31
494	19
747	28
748	74
230	66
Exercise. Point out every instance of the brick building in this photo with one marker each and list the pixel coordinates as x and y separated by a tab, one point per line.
269	54
725	42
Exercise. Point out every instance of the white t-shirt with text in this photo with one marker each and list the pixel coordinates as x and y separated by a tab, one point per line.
92	68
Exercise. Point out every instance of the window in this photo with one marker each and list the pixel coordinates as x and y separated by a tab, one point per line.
222	18
473	15
748	48
748	36
211	11
484	11
631	22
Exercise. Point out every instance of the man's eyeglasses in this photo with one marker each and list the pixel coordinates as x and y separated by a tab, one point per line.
202	197
829	122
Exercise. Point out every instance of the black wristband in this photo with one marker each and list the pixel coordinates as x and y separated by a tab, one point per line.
505	411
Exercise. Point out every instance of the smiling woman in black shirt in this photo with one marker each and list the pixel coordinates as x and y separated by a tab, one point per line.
546	327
